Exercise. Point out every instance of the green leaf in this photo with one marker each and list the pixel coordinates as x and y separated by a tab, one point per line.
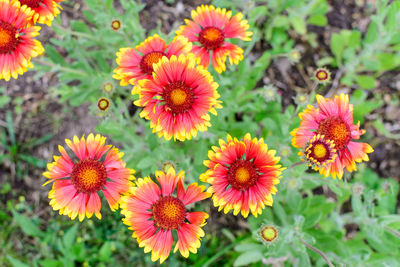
248	257
50	263
69	236
318	20
27	225
299	25
366	81
372	33
16	263
337	46
105	252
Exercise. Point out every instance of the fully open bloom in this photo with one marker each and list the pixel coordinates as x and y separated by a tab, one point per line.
17	45
334	120
153	211
45	10
209	29
178	99
93	167
242	174
137	64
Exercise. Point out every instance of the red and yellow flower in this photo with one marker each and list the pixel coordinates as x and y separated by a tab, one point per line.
93	167
333	120
153	211
319	153
17	45
209	29
177	101
137	64
242	174
45	10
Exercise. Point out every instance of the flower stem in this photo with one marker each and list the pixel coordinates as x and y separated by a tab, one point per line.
296	164
49	64
317	251
79	34
392	231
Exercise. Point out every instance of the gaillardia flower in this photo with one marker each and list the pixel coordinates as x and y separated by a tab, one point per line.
178	99
116	24
210	29
267	234
103	104
334	121
319	152
137	64
45	10
322	76
153	211
242	174
17	45
93	167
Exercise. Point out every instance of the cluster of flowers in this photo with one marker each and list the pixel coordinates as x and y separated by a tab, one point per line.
17	31
176	92
175	89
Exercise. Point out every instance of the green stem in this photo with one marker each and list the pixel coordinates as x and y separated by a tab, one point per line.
392	231
79	34
220	253
49	64
317	251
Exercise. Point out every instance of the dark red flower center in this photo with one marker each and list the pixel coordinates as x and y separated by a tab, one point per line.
146	64
8	38
335	129
31	3
319	151
242	174
178	97
103	104
322	75
89	176
211	38
169	213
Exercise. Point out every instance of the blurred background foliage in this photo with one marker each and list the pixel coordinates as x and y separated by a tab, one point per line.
354	221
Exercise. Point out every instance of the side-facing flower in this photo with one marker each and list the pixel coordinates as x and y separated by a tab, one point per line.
137	64
45	10
242	174
17	45
179	98
333	120
154	211
210	29
93	167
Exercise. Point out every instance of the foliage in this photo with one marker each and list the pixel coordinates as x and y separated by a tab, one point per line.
353	221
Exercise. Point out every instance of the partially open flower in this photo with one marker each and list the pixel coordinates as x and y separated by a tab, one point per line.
268	234
108	87
116	24
322	76
294	56
103	104
319	152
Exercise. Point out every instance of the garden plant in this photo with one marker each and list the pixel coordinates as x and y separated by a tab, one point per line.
199	133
